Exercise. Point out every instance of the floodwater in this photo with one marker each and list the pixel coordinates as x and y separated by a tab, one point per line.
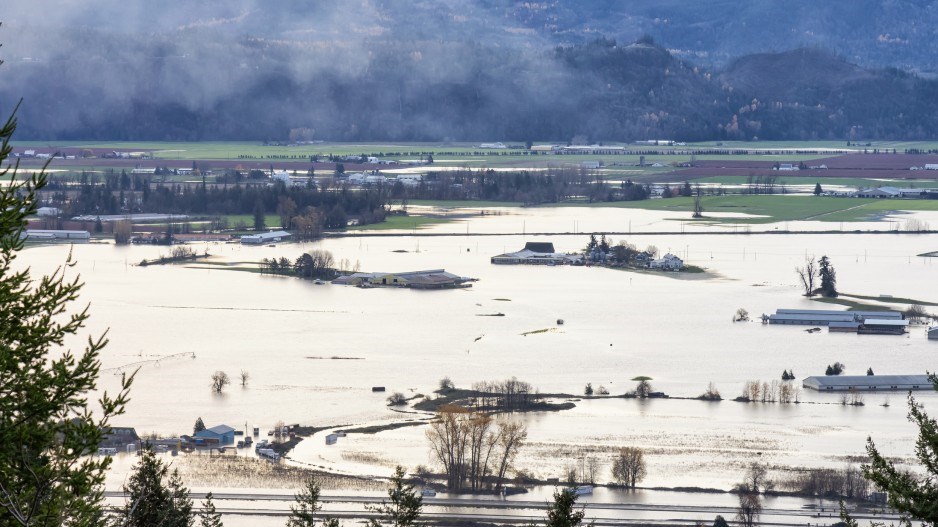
314	352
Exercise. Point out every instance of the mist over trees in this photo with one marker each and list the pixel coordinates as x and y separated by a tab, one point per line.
344	71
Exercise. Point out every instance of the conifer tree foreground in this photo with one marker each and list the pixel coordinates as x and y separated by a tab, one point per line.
47	424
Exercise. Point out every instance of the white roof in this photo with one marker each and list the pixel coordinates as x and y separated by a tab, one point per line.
885	322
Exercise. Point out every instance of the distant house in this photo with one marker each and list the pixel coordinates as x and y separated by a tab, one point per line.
787	167
265	237
119	437
221	434
931	166
48	211
644	257
493	145
537	253
668	262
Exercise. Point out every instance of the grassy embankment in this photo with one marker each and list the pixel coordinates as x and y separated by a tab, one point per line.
864	302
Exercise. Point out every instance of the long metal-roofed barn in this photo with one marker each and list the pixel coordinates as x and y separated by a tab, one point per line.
863	322
264	237
537	253
843	383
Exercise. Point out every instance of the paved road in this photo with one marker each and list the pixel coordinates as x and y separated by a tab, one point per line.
524	511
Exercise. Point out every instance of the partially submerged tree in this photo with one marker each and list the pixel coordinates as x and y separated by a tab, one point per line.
828	277
835	369
628	467
198	426
643	389
397	399
220	379
750	508
245	377
807	273
47	425
405	505
471	448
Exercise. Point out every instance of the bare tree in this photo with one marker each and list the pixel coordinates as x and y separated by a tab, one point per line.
511	437
448	438
446	384
629	466
397	399
756	479
806	273
245	377
698	208
470	450
589	469
751	391
219	381
750	508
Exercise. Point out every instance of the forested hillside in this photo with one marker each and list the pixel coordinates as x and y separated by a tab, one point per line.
470	71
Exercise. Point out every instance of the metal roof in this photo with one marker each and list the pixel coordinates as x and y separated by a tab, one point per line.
884	322
882	381
840	317
219	429
876	314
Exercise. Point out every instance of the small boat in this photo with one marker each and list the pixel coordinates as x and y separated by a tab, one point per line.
583	490
428	493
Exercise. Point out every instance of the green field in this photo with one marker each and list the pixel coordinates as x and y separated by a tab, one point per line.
780	208
828	181
402	223
255	151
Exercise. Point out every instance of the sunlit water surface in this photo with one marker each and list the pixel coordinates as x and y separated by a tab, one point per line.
618	325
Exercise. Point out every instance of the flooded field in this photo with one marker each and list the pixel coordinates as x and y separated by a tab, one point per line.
289	334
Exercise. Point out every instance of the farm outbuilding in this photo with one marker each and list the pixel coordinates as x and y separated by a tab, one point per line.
221	434
265	237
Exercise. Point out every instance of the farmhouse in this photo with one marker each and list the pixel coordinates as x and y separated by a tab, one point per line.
537	253
264	237
668	262
119	437
843	383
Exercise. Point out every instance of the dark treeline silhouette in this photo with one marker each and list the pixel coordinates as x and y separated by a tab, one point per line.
120	193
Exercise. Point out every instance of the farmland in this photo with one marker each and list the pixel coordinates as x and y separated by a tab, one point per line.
770	209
